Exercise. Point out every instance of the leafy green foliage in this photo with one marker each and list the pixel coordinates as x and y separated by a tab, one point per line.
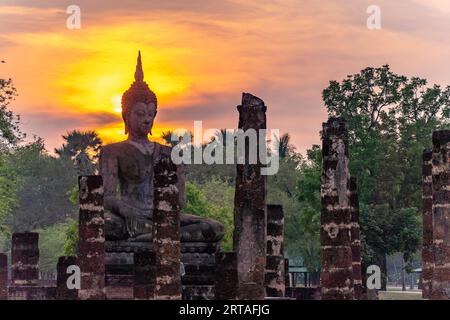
71	238
51	245
83	148
10	133
213	199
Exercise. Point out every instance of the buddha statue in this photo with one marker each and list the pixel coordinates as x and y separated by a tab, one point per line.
127	171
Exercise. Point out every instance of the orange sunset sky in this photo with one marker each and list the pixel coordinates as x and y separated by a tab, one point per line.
199	56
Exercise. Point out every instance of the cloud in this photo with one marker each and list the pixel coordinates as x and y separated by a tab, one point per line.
200	55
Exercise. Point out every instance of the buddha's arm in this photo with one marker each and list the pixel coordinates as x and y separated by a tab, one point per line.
109	169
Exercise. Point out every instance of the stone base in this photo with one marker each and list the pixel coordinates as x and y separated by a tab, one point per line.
198	258
198	293
31	293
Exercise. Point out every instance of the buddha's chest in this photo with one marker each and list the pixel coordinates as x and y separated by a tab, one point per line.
135	167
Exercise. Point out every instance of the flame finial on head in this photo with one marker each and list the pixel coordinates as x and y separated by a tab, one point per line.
139	74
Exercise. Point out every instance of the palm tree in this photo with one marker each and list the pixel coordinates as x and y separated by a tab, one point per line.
83	148
284	145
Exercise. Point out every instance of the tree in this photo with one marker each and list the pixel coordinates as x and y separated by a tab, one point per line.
391	119
285	147
83	148
10	133
43	182
306	235
212	200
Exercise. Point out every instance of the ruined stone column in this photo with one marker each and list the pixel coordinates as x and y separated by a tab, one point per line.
250	216
62	290
226	280
166	229
3	276
91	238
335	231
441	215
25	259
355	240
274	278
427	218
144	275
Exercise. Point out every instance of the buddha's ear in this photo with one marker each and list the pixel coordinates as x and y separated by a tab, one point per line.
125	121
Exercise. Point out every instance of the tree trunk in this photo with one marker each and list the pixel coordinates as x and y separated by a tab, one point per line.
403	275
384	273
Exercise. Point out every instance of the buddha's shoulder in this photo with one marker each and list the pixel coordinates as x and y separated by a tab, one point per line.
113	149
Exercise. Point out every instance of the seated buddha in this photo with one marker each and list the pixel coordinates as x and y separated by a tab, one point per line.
127	171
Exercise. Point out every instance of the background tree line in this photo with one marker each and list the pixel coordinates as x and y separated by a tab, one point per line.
390	118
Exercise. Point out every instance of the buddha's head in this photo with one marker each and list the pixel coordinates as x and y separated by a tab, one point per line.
139	105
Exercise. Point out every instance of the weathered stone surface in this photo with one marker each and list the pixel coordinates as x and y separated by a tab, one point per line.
166	229
33	292
25	258
3	276
250	216
274	276
335	233
91	238
355	240
144	275
427	218
62	290
441	215
226	282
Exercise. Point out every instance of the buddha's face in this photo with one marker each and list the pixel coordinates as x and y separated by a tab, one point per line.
140	120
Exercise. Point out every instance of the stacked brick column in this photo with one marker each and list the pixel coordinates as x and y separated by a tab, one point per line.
335	232
355	240
427	218
166	236
274	278
91	238
226	280
62	290
25	259
250	217
144	275
441	215
3	276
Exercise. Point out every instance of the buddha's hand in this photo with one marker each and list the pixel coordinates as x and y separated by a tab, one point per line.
123	210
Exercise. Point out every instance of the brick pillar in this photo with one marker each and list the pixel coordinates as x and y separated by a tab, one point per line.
427	218
3	276
337	272
226	280
274	278
62	291
356	240
441	215
25	259
166	230
144	275
91	238
250	216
